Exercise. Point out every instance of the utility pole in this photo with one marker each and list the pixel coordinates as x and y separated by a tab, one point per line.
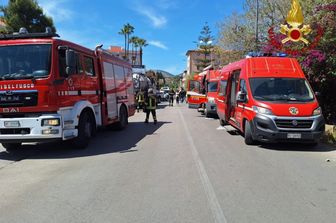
257	28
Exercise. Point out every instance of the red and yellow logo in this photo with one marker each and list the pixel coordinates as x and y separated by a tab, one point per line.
295	29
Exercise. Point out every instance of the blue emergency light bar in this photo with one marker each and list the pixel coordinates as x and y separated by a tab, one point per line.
263	54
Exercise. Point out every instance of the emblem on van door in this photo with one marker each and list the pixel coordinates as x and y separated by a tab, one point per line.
293	111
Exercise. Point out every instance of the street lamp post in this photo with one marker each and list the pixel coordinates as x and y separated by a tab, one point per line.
257	28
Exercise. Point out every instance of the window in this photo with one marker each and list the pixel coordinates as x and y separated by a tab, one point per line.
212	86
243	86
62	63
79	67
281	89
89	66
222	87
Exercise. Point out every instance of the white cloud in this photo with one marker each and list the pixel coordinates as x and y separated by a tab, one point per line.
157	20
158	44
56	10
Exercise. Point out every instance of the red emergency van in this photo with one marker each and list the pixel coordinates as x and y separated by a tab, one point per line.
269	100
210	82
52	89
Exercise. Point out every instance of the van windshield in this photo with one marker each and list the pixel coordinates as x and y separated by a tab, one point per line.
19	62
281	89
212	86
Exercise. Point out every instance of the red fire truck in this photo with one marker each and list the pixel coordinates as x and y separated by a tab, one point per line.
210	83
269	100
195	91
51	89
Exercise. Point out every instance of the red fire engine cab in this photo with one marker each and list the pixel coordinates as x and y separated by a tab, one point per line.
195	92
269	100
52	89
210	82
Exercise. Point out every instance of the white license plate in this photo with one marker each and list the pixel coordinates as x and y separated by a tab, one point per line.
294	136
12	124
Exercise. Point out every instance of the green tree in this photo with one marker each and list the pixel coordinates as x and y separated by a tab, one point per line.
205	45
134	43
126	31
25	13
142	43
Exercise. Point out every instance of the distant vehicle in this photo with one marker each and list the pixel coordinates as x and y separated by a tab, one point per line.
269	99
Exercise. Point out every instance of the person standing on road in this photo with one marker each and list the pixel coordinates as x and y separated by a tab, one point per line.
171	97
140	99
150	102
182	95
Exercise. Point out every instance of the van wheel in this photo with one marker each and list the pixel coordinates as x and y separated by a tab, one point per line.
85	131
222	122
248	134
11	147
206	113
123	118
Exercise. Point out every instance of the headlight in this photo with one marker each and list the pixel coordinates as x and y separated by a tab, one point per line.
51	122
317	111
262	110
211	100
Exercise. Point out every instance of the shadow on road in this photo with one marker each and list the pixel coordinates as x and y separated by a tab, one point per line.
105	142
298	147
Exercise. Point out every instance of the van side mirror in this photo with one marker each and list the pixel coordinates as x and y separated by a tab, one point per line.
241	97
70	61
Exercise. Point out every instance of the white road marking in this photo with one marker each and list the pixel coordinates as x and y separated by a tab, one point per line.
213	203
221	128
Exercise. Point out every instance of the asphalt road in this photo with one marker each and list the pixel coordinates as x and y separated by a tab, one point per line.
184	169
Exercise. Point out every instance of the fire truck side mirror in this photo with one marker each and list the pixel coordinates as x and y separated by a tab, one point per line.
241	97
70	60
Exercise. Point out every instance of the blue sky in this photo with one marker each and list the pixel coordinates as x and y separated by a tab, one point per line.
170	26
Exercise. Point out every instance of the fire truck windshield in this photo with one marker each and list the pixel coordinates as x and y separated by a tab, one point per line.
25	61
212	86
281	89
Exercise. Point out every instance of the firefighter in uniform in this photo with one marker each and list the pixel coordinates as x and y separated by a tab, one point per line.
150	103
140	99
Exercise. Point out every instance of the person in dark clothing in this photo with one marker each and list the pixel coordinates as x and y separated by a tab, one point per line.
171	97
150	102
178	97
182	95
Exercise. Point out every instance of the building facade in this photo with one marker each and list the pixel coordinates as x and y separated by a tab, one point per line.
133	56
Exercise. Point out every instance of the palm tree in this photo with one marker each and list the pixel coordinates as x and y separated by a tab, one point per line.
130	30
133	41
142	43
123	31
127	30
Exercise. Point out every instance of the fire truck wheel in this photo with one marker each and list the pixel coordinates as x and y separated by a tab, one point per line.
11	147
84	131
123	118
248	134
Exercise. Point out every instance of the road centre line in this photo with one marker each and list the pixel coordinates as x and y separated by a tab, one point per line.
213	203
